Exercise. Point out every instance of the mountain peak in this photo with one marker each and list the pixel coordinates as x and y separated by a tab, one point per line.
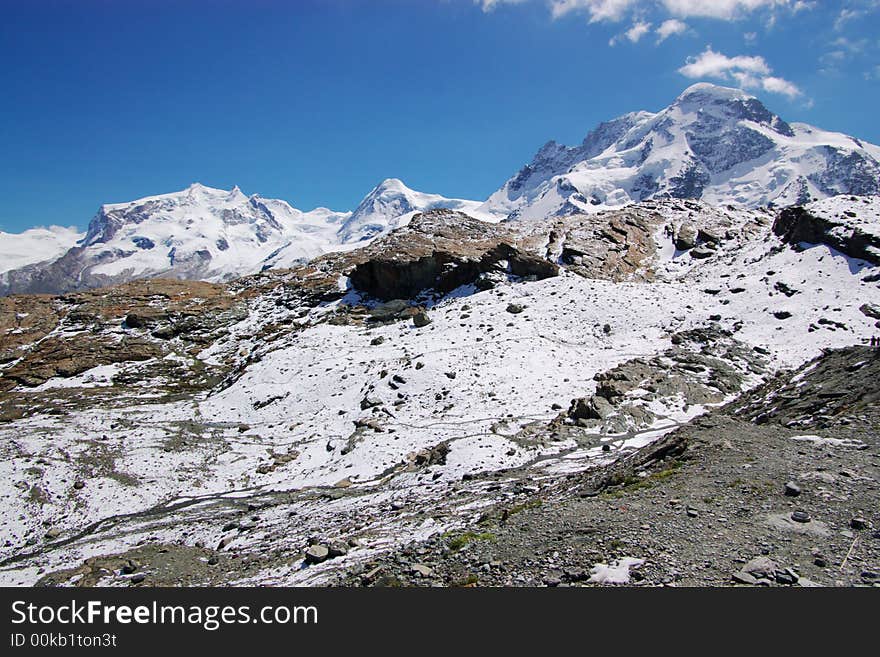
391	185
703	91
714	143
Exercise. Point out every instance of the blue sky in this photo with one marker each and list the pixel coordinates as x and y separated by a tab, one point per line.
316	102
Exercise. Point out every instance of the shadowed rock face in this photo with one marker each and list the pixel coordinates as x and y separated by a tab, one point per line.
796	224
438	251
442	271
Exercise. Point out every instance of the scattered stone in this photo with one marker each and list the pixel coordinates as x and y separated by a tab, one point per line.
370	402
377	340
870	310
138	578
317	554
792	489
760	567
421	319
702	252
515	308
337	549
858	523
226	540
744	578
786	577
422	570
79	485
800	516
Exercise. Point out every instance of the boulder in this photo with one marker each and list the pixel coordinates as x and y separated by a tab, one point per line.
686	237
590	408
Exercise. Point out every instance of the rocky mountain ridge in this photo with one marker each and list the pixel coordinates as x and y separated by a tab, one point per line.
718	145
712	143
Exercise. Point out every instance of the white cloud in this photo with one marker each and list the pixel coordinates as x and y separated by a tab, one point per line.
845	16
774	85
749	72
633	34
717	65
723	9
669	28
490	5
599	10
619	10
637	31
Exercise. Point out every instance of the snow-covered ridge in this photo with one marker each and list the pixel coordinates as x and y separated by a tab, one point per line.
35	245
712	143
211	234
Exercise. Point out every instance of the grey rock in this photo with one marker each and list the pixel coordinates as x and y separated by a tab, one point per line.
800	516
515	308
858	523
317	554
369	402
421	319
787	576
686	238
702	252
744	578
422	570
792	489
761	567
337	549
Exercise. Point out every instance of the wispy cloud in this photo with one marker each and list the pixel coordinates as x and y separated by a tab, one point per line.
722	9
598	10
490	5
670	27
618	10
633	34
748	71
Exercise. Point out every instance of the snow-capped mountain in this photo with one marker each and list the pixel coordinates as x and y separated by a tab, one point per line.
719	145
35	245
208	234
716	144
392	204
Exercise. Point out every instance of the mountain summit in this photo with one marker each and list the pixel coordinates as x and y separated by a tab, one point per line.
712	143
203	233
